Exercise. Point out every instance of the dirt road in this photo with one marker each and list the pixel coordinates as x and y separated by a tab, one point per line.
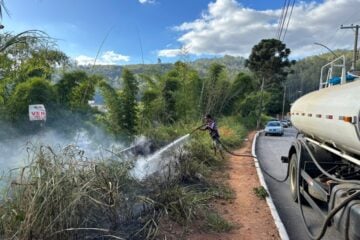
250	215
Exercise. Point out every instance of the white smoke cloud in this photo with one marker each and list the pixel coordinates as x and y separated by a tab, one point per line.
95	144
227	27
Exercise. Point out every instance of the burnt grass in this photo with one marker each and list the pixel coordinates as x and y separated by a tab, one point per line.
63	195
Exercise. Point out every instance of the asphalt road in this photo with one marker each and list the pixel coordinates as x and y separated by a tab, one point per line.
269	150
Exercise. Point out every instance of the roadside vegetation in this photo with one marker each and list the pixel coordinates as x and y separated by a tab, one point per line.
261	192
61	194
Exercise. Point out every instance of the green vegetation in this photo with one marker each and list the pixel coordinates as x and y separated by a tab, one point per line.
63	195
218	224
270	64
129	118
261	192
305	74
112	72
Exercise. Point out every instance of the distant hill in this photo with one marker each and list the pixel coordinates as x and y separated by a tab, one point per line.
233	65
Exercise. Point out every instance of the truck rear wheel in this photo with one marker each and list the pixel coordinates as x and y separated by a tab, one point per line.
293	176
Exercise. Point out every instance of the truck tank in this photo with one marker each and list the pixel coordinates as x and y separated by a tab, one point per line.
324	164
331	116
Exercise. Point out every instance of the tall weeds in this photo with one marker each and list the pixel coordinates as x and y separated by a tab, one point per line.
63	195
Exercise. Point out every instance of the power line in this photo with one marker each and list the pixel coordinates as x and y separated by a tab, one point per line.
287	25
333	36
284	19
141	47
281	19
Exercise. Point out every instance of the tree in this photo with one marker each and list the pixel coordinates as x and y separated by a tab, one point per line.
180	92
129	103
250	106
151	107
24	42
40	63
243	85
270	64
212	90
168	93
22	57
82	93
188	91
34	91
67	84
113	117
269	61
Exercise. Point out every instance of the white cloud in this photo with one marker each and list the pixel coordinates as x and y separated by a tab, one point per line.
229	28
111	56
84	60
146	1
107	58
169	52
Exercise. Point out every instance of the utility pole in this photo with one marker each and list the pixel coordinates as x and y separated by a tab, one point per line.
355	44
283	104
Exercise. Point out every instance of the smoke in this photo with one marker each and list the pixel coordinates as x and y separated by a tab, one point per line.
162	162
16	150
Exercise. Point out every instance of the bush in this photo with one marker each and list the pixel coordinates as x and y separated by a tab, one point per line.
183	203
232	131
218	224
60	195
261	192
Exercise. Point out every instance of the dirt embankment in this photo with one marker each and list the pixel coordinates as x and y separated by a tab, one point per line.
250	215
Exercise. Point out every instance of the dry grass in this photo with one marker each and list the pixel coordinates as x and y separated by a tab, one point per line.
63	195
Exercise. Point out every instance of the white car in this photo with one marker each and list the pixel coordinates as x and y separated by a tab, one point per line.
285	123
274	128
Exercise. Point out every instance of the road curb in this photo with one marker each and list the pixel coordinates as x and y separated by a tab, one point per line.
279	224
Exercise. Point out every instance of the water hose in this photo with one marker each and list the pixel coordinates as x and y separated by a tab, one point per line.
223	146
248	155
198	128
261	167
335	210
232	153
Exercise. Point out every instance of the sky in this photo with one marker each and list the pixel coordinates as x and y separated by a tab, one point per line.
143	31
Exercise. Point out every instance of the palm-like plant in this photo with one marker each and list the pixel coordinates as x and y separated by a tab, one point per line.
28	37
3	8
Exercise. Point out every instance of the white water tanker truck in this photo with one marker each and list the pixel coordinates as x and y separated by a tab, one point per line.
324	160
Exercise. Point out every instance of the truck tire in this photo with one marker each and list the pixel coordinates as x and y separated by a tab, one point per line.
293	176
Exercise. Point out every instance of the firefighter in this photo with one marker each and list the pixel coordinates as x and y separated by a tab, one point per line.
214	133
